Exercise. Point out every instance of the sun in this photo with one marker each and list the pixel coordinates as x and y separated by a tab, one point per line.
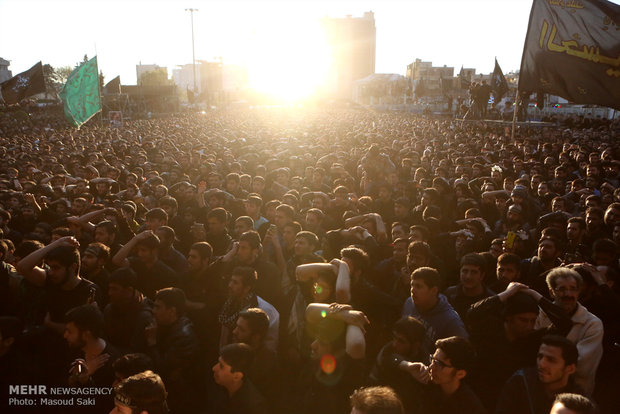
288	60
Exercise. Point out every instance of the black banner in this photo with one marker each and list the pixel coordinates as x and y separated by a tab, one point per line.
499	86
25	84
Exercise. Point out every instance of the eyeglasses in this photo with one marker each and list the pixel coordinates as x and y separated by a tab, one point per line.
439	362
566	290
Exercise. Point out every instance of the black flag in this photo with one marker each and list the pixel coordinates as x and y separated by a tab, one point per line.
464	82
25	84
499	86
114	86
572	49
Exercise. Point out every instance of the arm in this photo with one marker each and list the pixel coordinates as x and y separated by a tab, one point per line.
355	342
30	199
343	283
29	265
120	258
310	271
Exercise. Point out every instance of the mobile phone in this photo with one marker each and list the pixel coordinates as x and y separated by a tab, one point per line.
510	239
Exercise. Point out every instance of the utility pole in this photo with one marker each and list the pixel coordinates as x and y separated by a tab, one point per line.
191	11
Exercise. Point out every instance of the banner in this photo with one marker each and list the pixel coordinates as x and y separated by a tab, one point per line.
499	86
572	49
81	93
114	86
25	84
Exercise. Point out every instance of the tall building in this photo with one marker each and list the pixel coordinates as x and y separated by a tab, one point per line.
435	78
5	73
352	42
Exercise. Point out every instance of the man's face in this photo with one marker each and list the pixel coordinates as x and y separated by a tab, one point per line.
318	202
74	336
312	221
245	253
441	370
119	294
146	255
58	273
507	272
302	247
400	344
557	205
401	210
163	314
196	263
288	234
251	209
153	223
565	293
236	288
281	219
593	220
241	227
471	276
521	324
242	331
573	231
89	263
102	236
398	232
547	251
222	373
215	226
552	368
422	295
258	186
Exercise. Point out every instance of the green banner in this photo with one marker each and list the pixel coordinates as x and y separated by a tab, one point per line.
80	94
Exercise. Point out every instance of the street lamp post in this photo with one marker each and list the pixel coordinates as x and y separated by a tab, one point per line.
191	11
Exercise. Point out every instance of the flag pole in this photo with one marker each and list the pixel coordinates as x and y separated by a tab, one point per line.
514	116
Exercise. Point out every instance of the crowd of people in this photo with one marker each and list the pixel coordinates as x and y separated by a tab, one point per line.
305	261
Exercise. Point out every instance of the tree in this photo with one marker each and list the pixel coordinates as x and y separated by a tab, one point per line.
156	77
55	78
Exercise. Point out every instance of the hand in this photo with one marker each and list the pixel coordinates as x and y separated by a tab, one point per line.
29	198
110	211
337	307
353	317
67	241
73	220
78	372
417	370
150	334
597	275
336	263
93	364
231	253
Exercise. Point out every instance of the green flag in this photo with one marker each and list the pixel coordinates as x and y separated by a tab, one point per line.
81	93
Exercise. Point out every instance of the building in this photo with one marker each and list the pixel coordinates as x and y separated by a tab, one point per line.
5	73
436	79
216	82
142	69
352	43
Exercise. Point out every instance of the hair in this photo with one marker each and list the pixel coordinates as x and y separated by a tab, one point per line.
562	273
100	250
360	258
256	200
459	350
168	235
157	214
62	231
245	219
132	364
376	400
168	201
204	250
509	259
252	238
258	321
143	392
577	403
604	246
318	213
419	247
125	277
173	298
65	255
219	214
570	354
428	275
239	356
310	237
578	220
26	247
422	229
86	317
248	275
474	259
107	225
410	327
287	210
151	242
295	225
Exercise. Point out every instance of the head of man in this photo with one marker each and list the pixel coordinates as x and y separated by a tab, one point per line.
375	400
556	361
122	286
400	250
216	221
83	325
147	249
242	282
567	403
472	273
233	365
575	229
63	265
252	206
169	306
284	214
248	248
453	358
251	327
167	237
548	250
564	286
305	243
425	283
357	260
594	219
156	218
289	232
143	393
105	232
508	268
407	336
130	364
94	258
314	219
199	256
520	313
418	233
243	224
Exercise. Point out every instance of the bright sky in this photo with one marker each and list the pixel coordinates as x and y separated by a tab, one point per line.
276	39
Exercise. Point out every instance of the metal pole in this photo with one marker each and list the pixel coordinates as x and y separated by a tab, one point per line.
191	11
